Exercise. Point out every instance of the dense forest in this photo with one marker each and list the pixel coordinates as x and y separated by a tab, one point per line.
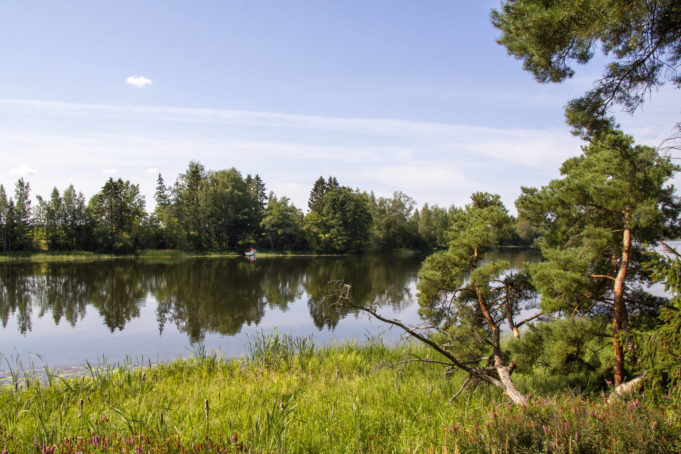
222	211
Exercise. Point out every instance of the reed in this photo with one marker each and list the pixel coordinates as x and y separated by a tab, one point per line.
289	396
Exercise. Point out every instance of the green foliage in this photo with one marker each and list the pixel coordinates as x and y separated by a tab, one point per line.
218	210
565	354
275	350
344	399
4	218
319	188
63	221
660	347
457	286
228	209
342	223
282	225
187	207
117	211
612	186
393	227
433	224
643	39
15	218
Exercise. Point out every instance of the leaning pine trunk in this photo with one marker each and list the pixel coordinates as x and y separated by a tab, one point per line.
620	322
506	383
509	387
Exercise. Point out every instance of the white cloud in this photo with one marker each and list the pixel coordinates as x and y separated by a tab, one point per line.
433	162
138	81
109	171
23	169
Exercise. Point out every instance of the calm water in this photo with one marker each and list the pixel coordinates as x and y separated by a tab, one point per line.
69	313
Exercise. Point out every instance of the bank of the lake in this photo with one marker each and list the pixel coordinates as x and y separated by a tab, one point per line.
87	256
337	399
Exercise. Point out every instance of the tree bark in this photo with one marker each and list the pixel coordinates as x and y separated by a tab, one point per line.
504	373
626	388
509	387
620	321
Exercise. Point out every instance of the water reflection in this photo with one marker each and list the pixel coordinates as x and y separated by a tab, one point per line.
202	295
382	281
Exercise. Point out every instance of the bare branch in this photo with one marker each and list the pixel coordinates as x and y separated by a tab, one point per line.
420	360
529	319
601	276
344	296
463	386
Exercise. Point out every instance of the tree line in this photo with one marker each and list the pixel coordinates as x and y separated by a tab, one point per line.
221	210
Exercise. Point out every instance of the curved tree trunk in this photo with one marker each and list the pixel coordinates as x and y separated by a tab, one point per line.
509	387
504	372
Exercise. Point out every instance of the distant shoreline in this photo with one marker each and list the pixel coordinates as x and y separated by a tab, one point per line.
85	256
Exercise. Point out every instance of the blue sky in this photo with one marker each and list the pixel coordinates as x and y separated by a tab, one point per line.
385	95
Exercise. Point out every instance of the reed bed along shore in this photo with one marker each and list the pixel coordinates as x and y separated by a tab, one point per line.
287	396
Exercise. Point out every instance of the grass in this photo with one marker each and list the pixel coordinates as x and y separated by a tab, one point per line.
150	254
288	396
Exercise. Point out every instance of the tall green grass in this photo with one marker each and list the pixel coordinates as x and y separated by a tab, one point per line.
288	396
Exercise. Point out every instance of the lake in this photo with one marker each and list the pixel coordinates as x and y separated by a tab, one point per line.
157	310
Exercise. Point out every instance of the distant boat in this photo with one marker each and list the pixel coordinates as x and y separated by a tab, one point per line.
250	253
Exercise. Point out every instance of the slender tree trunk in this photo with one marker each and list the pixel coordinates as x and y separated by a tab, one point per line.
509	317
620	321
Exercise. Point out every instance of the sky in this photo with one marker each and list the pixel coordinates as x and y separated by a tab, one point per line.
386	95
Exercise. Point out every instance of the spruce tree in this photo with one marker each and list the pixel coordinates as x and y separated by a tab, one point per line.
320	187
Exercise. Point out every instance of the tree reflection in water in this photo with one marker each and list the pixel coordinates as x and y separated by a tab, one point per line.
200	296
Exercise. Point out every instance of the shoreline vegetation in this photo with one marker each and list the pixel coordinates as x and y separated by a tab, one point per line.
207	210
87	256
287	395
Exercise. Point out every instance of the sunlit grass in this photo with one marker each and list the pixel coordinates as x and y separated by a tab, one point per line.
289	396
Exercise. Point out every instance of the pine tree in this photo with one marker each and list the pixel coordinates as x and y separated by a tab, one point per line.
467	299
595	219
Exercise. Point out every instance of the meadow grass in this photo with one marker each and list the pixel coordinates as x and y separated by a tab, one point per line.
288	396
